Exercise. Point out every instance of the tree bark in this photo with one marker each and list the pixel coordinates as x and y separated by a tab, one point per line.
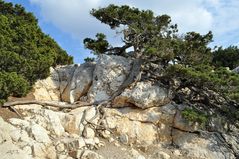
133	76
48	103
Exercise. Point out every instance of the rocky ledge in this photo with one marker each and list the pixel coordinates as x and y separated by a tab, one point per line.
141	122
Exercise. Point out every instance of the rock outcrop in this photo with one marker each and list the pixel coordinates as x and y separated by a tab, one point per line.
142	122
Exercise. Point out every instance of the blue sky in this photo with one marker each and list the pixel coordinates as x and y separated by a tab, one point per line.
69	22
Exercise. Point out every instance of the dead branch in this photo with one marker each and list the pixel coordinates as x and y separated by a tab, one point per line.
48	103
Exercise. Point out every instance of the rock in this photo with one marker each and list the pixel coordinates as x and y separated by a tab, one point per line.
233	141
105	134
47	89
5	129
183	124
97	140
123	139
60	156
60	147
79	80
136	131
8	150
42	151
135	154
50	120
218	124
87	154
208	147
111	139
177	153
88	133
90	142
81	143
110	72
143	95
73	143
19	135
162	155
19	123
39	150
134	122
39	134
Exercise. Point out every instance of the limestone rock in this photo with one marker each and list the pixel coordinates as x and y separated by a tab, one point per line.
87	154
88	133
47	89
8	150
135	154
78	79
143	95
110	72
40	134
163	155
42	151
135	130
134	123
209	147
183	124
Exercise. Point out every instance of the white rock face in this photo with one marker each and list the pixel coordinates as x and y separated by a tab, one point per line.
39	134
140	125
143	95
47	89
79	79
110	72
88	133
153	120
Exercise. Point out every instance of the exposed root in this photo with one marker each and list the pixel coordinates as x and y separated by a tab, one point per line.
48	103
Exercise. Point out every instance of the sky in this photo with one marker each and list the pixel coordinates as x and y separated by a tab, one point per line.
69	21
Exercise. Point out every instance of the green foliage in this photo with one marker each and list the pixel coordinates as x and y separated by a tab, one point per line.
205	76
89	59
228	57
142	29
98	46
193	50
12	84
24	49
194	116
150	36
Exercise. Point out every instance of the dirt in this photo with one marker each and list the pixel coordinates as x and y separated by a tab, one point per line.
7	113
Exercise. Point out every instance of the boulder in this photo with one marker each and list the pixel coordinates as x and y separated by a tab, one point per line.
39	134
88	133
143	95
76	81
208	147
47	89
142	126
8	150
110	72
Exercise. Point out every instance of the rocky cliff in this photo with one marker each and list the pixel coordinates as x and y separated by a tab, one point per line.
72	114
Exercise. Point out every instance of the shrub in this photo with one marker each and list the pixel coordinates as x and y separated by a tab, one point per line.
26	53
194	116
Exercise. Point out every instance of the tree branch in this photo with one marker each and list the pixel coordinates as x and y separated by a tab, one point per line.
48	103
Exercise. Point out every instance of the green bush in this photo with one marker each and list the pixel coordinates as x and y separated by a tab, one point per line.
26	53
194	116
13	84
218	79
228	57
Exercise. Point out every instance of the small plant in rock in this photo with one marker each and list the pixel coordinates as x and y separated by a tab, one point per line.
195	116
